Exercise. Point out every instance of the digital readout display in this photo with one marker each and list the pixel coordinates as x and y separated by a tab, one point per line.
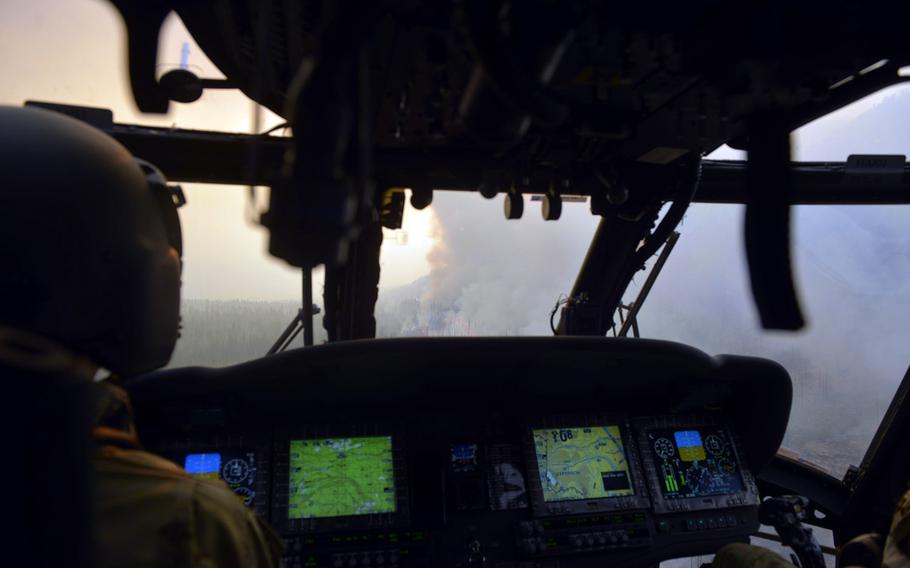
695	462
582	463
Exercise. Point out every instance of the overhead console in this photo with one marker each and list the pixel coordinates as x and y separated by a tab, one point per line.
538	452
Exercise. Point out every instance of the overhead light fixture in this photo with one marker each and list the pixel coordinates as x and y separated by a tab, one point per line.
841	83
874	66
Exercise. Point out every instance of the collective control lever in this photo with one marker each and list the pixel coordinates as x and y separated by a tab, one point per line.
786	514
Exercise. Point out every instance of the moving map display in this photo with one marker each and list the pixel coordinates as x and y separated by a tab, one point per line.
582	463
695	463
237	469
340	477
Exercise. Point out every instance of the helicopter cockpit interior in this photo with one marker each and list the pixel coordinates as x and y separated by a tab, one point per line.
591	447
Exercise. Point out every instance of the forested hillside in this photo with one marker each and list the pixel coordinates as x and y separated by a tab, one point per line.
218	333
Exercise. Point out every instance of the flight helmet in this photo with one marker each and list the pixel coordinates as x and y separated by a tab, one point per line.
89	255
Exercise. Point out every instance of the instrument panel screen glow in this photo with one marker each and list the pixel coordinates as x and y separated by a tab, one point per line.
695	463
236	468
340	477
582	463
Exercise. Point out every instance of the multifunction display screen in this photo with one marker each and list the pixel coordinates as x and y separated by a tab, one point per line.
582	463
506	478
463	458
237	469
695	463
341	477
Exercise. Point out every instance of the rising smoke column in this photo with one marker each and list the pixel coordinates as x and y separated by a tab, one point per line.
490	276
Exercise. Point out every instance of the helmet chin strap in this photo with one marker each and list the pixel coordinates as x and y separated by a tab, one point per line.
26	350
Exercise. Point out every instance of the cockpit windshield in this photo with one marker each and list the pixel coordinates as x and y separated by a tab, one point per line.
458	268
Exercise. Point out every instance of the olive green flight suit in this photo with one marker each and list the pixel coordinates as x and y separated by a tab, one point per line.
150	512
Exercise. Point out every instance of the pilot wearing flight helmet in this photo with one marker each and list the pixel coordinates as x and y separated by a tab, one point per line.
90	278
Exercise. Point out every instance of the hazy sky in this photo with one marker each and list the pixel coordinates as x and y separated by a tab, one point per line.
74	52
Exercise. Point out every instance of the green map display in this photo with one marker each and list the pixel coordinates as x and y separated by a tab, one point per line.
340	477
582	463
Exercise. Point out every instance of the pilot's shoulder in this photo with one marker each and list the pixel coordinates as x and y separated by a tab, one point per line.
222	531
222	522
210	497
112	461
208	494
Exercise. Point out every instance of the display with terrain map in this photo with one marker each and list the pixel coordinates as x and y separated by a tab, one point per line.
339	477
582	463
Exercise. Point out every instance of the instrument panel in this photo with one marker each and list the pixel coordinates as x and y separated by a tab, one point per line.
641	450
558	488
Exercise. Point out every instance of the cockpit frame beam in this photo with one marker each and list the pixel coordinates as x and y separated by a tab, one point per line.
198	156
212	157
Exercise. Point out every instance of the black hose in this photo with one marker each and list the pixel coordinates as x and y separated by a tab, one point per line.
674	215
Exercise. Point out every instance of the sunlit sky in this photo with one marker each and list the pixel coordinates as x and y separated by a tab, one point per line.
74	52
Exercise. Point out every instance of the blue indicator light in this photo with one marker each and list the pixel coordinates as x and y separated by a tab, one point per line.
202	463
688	439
